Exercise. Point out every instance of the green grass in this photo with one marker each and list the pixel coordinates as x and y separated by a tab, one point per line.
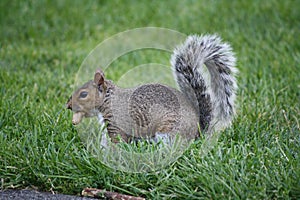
43	44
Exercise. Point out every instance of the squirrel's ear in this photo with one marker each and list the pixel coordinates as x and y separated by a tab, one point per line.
99	77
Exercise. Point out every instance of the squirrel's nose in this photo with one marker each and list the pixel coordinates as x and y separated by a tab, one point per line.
69	103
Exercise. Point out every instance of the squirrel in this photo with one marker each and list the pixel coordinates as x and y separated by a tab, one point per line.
205	102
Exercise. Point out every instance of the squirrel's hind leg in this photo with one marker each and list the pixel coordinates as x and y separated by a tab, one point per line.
165	138
159	137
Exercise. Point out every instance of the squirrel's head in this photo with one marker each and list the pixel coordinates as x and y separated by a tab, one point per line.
85	101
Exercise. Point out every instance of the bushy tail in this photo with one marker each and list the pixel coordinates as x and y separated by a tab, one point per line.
212	89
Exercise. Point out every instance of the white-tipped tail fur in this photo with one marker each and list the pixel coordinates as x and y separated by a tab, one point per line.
212	89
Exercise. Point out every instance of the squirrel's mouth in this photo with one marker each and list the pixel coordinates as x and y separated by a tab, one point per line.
77	117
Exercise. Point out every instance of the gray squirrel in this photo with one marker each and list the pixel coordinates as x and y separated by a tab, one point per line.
205	102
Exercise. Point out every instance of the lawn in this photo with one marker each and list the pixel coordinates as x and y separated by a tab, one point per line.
42	46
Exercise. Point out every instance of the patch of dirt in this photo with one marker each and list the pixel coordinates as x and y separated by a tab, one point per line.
36	195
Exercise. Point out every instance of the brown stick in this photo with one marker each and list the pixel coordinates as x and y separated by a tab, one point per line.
97	193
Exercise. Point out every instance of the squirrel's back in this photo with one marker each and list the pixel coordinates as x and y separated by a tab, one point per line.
153	108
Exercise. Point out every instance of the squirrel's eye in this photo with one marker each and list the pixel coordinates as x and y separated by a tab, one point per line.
83	94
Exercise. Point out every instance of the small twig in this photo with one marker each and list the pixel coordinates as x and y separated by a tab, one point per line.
97	193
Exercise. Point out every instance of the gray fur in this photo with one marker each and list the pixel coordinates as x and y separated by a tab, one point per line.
213	98
155	111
